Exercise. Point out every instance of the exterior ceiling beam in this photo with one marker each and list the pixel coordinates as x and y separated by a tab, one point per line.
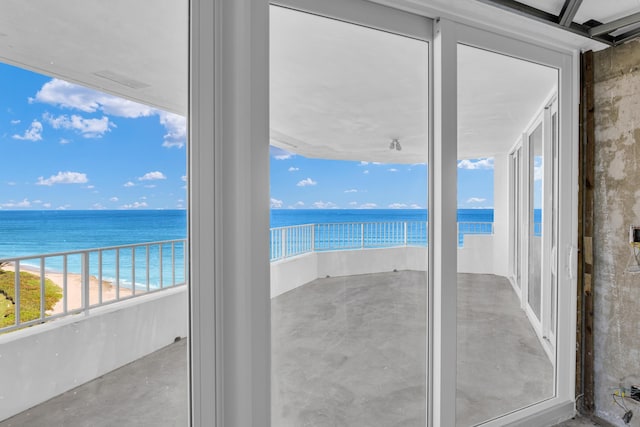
623	38
615	25
569	11
548	18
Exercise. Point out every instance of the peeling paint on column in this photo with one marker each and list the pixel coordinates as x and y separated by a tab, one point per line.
616	207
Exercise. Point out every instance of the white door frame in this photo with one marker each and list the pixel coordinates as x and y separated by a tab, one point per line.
229	215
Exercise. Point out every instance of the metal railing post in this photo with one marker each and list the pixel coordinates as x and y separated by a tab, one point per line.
85	282
313	237
362	235
283	240
161	267
405	233
16	294
133	270
42	293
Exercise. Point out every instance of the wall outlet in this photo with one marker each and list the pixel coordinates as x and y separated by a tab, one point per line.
634	234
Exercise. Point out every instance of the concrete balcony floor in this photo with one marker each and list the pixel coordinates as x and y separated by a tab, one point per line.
351	351
152	391
347	351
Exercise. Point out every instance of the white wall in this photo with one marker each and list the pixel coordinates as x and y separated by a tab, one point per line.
43	361
477	256
289	273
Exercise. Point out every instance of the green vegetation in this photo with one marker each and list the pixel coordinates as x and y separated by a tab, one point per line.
29	297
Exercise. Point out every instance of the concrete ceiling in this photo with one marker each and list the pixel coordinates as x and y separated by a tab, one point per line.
342	91
133	49
362	90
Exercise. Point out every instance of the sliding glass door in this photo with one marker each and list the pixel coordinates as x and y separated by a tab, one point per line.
349	144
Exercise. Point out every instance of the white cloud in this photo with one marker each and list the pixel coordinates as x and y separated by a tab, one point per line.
64	141
292	169
324	205
397	206
299	204
90	187
34	133
392	170
64	178
46	205
352	190
306	182
97	206
113	199
149	176
88	128
275	203
363	163
176	127
15	122
184	178
128	184
476	200
135	205
353	203
415	206
150	186
471	164
366	172
538	171
12	183
367	206
63	207
25	203
279	153
68	95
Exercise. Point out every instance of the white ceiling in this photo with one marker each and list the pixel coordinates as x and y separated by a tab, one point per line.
133	49
342	91
139	50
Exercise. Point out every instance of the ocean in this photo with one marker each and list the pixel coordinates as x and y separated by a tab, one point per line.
29	232
284	217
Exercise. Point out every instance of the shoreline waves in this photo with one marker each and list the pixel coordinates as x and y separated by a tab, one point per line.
74	288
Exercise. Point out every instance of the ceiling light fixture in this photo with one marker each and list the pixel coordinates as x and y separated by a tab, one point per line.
395	145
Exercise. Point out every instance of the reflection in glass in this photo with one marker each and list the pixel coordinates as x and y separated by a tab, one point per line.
535	221
348	121
504	357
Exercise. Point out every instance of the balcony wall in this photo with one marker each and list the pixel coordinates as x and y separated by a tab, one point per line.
477	256
43	361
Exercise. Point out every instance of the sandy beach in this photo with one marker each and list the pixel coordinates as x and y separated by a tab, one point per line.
74	288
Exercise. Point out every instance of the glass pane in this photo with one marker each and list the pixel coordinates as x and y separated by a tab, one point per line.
348	238
504	361
535	220
94	313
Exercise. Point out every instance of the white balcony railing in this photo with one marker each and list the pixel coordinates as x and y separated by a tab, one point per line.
93	277
299	239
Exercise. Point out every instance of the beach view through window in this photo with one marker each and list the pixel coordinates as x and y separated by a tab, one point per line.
93	212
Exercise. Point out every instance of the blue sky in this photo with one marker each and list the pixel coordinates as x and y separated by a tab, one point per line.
298	182
64	146
67	147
